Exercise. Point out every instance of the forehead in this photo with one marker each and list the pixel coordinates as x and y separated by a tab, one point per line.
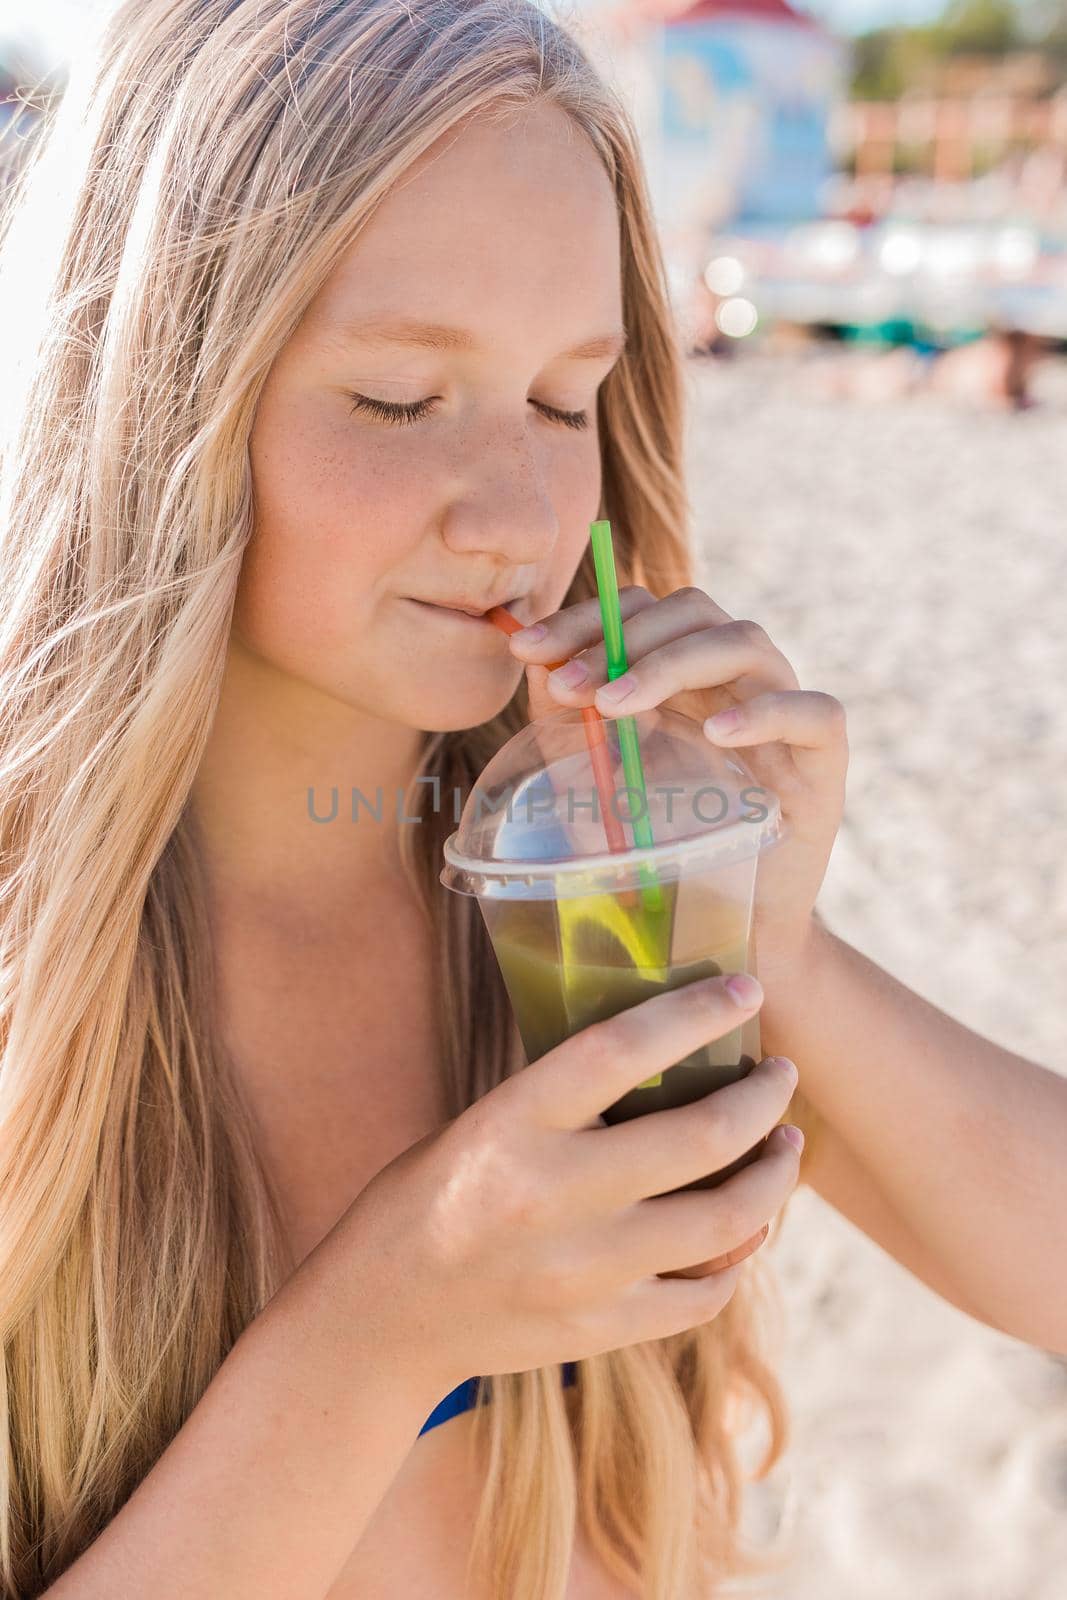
496	224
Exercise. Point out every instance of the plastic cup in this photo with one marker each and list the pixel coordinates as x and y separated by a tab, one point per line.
574	943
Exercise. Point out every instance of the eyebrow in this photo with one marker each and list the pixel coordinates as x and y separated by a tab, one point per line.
435	336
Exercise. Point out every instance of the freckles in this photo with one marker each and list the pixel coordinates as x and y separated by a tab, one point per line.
315	489
349	516
299	488
321	540
578	489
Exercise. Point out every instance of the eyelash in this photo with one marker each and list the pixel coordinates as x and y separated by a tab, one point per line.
404	415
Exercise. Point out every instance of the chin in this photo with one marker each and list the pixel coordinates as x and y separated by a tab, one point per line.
453	712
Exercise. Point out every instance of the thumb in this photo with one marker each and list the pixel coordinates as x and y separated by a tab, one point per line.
541	702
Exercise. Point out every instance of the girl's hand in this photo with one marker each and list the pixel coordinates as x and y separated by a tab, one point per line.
527	1232
794	740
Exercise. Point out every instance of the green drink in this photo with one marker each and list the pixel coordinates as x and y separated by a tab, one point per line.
564	973
581	931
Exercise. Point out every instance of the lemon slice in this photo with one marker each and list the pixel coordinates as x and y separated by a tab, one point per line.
597	931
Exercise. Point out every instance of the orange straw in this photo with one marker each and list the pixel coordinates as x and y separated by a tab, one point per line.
598	754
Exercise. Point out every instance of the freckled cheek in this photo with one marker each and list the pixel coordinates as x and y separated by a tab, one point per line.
576	497
331	522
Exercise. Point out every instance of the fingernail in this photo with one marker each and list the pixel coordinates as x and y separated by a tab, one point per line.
793	1134
735	1257
758	1240
749	1248
745	989
570	676
618	689
723	722
787	1067
530	635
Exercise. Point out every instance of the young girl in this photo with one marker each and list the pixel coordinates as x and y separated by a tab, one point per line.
325	320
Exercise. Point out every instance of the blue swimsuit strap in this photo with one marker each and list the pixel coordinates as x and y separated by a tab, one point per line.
465	1395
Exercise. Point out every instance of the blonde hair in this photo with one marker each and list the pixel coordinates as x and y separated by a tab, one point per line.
189	193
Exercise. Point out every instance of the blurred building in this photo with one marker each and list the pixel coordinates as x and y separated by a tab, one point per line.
996	126
737	97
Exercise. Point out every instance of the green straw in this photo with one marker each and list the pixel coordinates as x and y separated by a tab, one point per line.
611	616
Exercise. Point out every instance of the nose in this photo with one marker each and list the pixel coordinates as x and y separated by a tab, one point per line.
503	507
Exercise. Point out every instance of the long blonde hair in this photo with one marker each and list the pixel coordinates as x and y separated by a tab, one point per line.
191	189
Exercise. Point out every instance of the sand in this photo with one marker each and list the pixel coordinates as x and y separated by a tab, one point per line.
910	557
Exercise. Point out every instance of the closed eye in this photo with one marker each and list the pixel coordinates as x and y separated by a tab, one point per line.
415	410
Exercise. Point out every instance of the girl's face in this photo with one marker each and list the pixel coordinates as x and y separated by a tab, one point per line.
395	465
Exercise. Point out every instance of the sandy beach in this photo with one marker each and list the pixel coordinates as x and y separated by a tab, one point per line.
909	557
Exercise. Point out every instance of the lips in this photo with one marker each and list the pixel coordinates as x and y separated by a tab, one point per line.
476	611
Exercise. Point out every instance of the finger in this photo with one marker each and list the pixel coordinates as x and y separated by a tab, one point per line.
733	653
732	1258
679	612
697	658
570	1085
658	1308
645	1156
672	1231
811	723
576	626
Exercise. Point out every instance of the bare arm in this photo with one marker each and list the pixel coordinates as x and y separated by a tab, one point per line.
264	1492
946	1149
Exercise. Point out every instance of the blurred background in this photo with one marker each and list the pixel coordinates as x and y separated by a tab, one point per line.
863	205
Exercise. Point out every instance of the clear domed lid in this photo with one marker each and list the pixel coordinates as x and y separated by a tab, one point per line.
539	823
